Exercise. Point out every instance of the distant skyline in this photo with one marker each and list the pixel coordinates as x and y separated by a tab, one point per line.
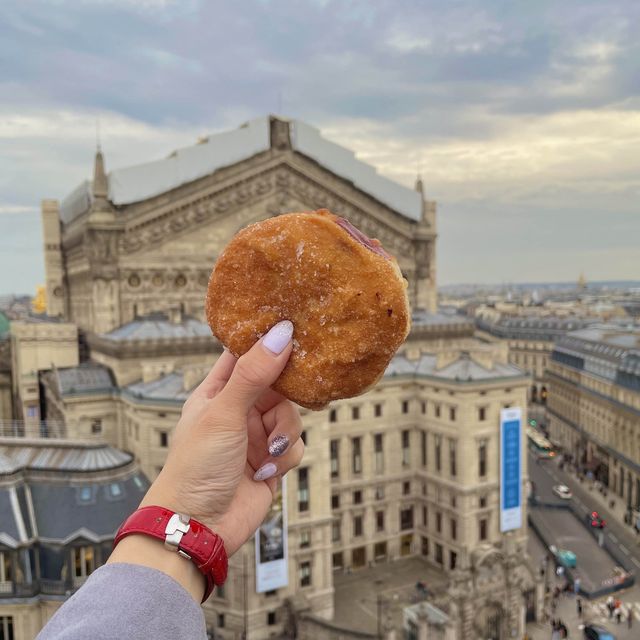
523	120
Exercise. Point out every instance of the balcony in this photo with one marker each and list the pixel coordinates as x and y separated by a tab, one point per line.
32	429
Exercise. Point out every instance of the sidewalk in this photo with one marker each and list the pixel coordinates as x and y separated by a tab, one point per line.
593	612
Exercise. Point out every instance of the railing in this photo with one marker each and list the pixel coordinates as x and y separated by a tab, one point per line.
34	429
56	587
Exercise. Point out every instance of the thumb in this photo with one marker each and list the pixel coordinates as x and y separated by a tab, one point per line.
259	368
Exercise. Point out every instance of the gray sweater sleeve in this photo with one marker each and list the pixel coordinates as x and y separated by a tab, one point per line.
127	601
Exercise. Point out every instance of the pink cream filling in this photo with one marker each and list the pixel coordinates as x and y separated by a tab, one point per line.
356	234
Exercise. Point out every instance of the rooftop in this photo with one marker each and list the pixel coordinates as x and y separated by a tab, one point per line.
134	184
158	326
464	368
87	377
58	455
169	387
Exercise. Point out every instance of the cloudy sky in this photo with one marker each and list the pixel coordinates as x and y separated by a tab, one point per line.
522	117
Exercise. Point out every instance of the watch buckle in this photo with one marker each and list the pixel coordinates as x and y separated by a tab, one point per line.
177	526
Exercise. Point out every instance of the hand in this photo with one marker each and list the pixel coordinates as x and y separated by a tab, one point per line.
235	438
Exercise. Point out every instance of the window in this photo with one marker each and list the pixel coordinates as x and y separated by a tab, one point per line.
6	569
357	497
482	459
335	500
303	489
438	522
406	443
405	406
406	488
423	407
338	560
379	520
379	452
221	621
356	455
380	492
453	558
85	494
425	516
453	466
334	449
425	546
355	413
305	539
336	530
454	529
482	414
96	426
406	519
380	550
164	439
115	490
357	526
377	410
423	448
271	618
304	574
453	500
482	529
438	452
483	502
439	554
220	591
437	411
83	561
333	415
452	414
6	628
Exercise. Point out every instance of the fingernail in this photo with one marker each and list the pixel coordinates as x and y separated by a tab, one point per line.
265	472
278	337
278	445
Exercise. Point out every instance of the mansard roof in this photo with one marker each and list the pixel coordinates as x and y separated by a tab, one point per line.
141	182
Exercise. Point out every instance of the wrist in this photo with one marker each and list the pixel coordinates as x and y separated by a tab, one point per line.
149	552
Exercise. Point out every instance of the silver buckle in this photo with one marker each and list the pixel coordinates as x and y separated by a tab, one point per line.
177	526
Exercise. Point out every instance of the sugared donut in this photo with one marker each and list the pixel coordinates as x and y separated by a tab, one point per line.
343	292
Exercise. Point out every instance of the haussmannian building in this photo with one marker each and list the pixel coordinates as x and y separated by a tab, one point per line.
409	469
594	404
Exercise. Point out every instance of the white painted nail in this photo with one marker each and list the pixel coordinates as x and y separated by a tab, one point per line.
265	472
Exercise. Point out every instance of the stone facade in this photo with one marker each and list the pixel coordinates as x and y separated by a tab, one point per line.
594	405
408	469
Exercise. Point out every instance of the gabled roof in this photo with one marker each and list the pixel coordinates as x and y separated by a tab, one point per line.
140	182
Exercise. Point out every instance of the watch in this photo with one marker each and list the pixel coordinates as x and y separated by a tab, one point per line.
184	535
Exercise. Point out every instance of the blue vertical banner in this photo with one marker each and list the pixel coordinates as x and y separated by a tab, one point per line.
510	469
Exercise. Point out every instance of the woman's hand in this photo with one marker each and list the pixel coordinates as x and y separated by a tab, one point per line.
235	438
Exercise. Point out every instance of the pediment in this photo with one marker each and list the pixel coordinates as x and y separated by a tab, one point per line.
207	217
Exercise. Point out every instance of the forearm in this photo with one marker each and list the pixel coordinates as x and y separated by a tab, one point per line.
128	601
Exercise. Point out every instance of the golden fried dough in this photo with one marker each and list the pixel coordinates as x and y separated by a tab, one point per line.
345	295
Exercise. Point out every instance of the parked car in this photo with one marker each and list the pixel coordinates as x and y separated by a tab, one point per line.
596	632
562	491
597	521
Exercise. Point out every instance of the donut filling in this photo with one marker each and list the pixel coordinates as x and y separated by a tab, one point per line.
366	241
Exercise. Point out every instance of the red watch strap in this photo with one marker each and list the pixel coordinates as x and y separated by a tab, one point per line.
198	543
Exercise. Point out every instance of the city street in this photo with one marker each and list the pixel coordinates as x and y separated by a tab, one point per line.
573	535
547	473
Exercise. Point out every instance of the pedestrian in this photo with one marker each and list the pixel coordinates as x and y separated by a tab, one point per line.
579	607
610	606
630	618
562	628
619	615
